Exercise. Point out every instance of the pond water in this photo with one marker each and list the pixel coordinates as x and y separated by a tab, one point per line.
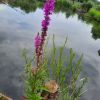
17	31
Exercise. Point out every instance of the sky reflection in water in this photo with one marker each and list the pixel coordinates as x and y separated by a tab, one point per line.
17	31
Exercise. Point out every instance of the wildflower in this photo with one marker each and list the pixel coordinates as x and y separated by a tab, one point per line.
48	9
37	44
37	41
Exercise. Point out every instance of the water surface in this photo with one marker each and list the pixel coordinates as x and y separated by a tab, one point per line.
17	31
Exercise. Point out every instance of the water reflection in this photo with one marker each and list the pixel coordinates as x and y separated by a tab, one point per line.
95	26
61	6
99	52
17	29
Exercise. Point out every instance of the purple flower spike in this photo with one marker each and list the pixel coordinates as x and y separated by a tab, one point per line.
48	9
37	41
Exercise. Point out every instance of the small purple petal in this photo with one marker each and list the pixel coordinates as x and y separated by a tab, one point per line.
48	9
37	41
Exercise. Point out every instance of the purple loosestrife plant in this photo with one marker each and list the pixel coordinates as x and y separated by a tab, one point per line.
48	10
39	42
38	84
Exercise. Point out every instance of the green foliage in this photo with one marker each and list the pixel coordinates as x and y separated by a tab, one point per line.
66	73
97	7
95	25
94	14
86	6
82	1
26	5
96	31
62	5
75	6
64	69
34	83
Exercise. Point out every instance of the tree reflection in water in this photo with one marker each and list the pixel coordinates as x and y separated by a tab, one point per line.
61	6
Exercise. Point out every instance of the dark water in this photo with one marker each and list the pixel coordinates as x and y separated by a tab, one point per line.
17	31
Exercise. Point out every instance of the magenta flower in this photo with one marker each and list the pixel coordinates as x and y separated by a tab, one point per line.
48	9
37	44
37	41
45	23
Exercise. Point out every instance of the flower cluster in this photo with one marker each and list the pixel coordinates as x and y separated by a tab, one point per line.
39	40
37	43
48	9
